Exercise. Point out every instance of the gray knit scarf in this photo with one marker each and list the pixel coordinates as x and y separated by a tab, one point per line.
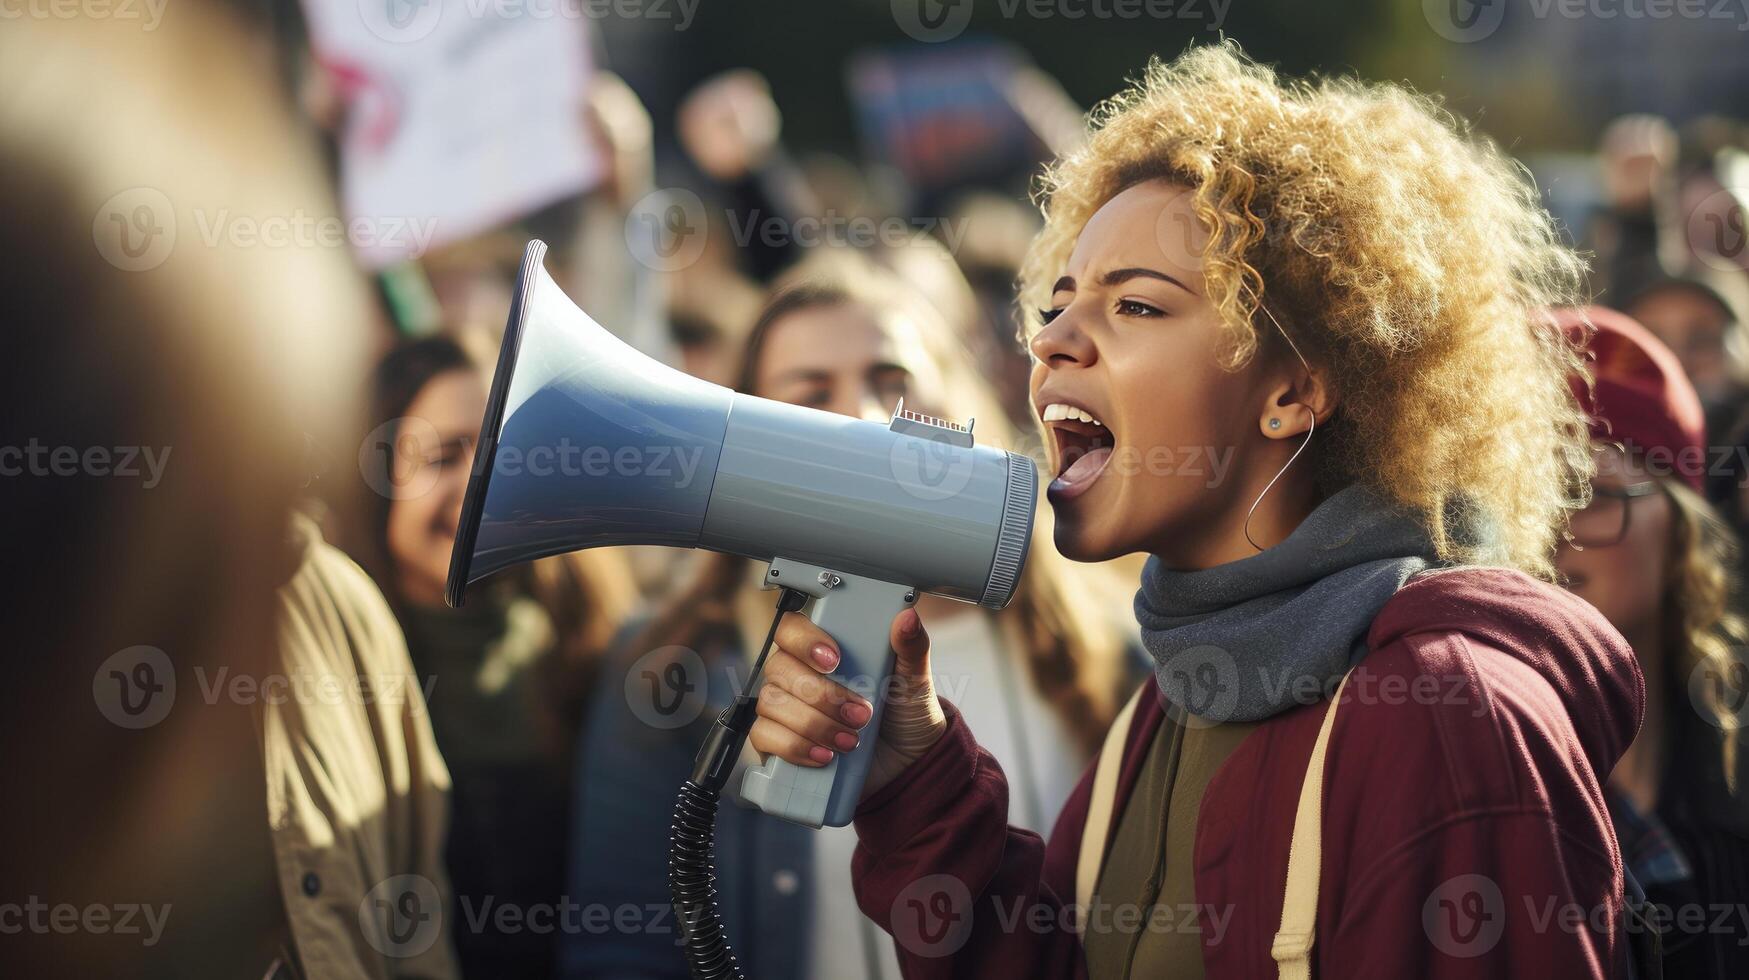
1249	639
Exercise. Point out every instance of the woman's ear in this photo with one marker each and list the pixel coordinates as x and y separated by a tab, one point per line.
1295	404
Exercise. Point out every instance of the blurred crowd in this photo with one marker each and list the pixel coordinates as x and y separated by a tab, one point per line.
491	798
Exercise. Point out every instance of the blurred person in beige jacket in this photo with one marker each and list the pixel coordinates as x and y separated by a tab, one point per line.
216	765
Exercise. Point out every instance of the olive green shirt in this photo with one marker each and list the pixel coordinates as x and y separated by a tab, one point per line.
1145	920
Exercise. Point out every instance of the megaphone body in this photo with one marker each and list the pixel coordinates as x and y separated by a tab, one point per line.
588	443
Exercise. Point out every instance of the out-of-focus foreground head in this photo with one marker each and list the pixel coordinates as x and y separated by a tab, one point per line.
168	375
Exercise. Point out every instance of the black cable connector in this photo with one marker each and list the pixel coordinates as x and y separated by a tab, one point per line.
692	878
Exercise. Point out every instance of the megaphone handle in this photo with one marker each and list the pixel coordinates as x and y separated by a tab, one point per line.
857	612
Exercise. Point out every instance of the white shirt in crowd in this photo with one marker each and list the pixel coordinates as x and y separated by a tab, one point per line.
995	695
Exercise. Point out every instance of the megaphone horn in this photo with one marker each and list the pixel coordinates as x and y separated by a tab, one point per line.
587	443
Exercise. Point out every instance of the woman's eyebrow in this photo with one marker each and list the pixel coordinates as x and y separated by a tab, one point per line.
801	374
1117	276
1065	284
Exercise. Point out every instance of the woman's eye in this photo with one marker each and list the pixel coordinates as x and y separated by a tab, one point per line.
1046	316
891	391
1131	307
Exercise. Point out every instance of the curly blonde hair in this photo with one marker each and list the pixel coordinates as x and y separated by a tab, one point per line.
1702	628
1408	258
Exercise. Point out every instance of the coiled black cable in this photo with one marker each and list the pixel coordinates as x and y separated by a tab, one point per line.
692	881
692	876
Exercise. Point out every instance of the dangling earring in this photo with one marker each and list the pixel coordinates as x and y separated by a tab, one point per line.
1311	427
1275	423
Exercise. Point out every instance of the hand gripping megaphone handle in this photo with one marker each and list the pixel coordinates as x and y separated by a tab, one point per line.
857	612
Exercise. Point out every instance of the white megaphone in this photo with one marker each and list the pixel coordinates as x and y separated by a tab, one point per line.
588	443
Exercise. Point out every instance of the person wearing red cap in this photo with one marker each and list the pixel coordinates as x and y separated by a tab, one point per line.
1656	560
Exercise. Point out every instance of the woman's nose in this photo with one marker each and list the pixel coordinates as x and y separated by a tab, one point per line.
857	403
1060	343
873	408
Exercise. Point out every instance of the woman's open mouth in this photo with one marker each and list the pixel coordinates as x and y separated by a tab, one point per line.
1084	446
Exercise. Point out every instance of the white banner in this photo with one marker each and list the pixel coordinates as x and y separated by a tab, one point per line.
461	115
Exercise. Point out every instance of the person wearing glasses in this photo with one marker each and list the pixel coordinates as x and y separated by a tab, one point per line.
1657	560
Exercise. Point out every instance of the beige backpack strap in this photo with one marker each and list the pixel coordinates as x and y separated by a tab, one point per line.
1299	907
1099	806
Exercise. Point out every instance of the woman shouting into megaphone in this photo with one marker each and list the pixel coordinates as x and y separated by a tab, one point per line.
1375	736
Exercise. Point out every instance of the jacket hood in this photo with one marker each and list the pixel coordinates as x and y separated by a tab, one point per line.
1559	635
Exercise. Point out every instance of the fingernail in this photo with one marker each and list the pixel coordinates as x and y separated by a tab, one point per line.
908	623
855	712
825	656
820	754
846	741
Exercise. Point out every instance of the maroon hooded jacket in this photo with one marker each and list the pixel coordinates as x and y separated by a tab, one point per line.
1464	834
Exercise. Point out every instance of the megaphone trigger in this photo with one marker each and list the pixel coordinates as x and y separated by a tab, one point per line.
857	612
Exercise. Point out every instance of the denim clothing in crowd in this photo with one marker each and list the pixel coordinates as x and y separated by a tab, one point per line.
648	715
1691	855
